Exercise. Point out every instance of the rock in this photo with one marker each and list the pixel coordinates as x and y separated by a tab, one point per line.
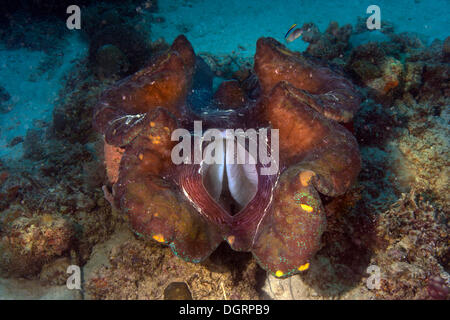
21	289
375	69
55	273
292	288
177	291
26	244
391	71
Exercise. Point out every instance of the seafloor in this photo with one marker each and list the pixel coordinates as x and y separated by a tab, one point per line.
52	209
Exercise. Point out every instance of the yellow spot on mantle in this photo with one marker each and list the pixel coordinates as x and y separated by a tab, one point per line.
141	156
305	177
155	140
152	124
279	273
159	237
230	240
304	267
306	207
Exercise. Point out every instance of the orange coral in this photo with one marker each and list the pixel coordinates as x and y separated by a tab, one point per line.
390	85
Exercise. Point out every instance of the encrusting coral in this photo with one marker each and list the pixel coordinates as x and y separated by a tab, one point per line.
27	244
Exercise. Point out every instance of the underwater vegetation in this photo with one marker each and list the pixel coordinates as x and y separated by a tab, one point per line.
368	187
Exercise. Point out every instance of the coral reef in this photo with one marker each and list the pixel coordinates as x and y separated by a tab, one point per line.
408	243
328	45
375	70
62	190
417	248
51	201
54	208
424	145
28	243
402	65
60	176
72	115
